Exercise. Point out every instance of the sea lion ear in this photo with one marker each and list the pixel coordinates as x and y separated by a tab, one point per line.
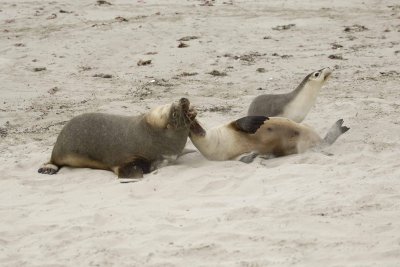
249	124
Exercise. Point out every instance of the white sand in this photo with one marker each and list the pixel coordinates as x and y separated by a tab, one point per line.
303	210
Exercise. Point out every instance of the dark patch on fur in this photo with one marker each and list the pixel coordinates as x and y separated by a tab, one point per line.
249	124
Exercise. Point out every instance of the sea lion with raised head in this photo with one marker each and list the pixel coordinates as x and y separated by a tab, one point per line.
130	146
294	105
259	135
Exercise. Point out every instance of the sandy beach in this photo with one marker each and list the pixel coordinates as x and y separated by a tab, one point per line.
339	207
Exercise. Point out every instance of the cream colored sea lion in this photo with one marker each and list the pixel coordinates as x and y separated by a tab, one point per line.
128	145
294	105
259	135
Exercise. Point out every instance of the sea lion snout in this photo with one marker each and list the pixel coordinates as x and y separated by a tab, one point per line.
326	72
188	111
184	103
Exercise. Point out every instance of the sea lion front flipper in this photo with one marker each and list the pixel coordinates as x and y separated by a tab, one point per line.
196	129
248	157
48	168
134	169
249	124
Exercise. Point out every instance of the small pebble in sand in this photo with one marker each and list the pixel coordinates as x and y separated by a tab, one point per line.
103	75
261	70
121	19
53	90
85	68
19	45
355	28
391	73
282	56
3	132
336	56
188	38
336	46
103	2
52	16
182	45
283	27
207	3
66	12
144	62
186	74
36	69
217	73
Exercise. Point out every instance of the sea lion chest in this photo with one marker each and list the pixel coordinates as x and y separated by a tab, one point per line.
298	108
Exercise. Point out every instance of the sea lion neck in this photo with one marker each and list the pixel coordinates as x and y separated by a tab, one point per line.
301	86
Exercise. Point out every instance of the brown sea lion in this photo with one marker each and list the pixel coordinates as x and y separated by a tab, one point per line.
259	135
127	145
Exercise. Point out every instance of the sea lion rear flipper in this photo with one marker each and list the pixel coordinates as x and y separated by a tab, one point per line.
134	169
249	124
336	130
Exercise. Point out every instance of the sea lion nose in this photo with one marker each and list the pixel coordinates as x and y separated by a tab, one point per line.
184	103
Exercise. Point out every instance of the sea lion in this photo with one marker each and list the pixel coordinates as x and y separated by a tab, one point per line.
294	105
130	146
259	135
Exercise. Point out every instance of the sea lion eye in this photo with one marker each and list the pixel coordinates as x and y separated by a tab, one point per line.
174	114
316	74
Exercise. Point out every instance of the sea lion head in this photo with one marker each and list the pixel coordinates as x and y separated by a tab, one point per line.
181	114
173	116
320	76
315	80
